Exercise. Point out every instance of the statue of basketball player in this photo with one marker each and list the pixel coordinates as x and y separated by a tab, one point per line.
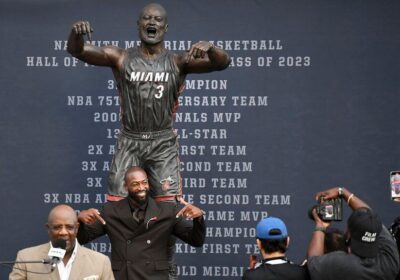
149	79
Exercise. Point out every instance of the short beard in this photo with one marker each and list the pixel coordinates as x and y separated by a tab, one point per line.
139	201
69	252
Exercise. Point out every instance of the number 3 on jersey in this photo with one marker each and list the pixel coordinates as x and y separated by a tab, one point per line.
160	91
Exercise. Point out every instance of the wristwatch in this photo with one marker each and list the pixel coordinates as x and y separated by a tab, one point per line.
340	192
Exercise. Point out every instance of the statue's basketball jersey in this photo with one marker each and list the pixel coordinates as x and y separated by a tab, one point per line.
149	90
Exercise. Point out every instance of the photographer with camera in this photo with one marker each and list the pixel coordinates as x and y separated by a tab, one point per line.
371	251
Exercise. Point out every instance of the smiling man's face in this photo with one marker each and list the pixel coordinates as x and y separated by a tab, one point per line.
137	185
152	24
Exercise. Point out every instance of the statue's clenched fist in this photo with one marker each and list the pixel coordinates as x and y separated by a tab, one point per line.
83	28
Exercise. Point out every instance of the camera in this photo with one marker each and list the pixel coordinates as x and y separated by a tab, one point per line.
328	209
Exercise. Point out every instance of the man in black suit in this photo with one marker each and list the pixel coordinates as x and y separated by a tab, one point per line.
139	229
273	241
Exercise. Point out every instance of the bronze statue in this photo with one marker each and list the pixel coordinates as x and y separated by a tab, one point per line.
149	79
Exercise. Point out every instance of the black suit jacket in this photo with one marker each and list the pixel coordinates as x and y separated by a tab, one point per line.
139	251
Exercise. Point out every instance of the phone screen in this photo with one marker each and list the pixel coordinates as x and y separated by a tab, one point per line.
395	184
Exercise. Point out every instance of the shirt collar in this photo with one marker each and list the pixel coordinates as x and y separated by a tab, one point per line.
135	205
277	260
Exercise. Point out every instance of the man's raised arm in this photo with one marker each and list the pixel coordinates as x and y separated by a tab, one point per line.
101	56
203	57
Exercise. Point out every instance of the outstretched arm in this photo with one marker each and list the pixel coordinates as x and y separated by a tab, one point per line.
203	57
193	234
316	246
102	56
91	225
353	201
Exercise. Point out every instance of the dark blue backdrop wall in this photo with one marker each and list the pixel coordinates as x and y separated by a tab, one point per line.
310	100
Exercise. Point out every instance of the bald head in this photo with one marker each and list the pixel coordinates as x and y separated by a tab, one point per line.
154	6
62	211
152	25
133	170
62	223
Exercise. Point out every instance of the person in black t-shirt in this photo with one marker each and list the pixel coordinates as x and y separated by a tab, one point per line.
371	250
273	240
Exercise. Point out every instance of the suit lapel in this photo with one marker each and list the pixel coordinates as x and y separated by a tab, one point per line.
124	212
54	275
78	265
152	211
151	215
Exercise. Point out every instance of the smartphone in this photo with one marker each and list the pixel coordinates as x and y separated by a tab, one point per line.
395	184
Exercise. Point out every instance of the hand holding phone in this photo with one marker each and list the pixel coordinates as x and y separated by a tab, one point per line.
395	185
